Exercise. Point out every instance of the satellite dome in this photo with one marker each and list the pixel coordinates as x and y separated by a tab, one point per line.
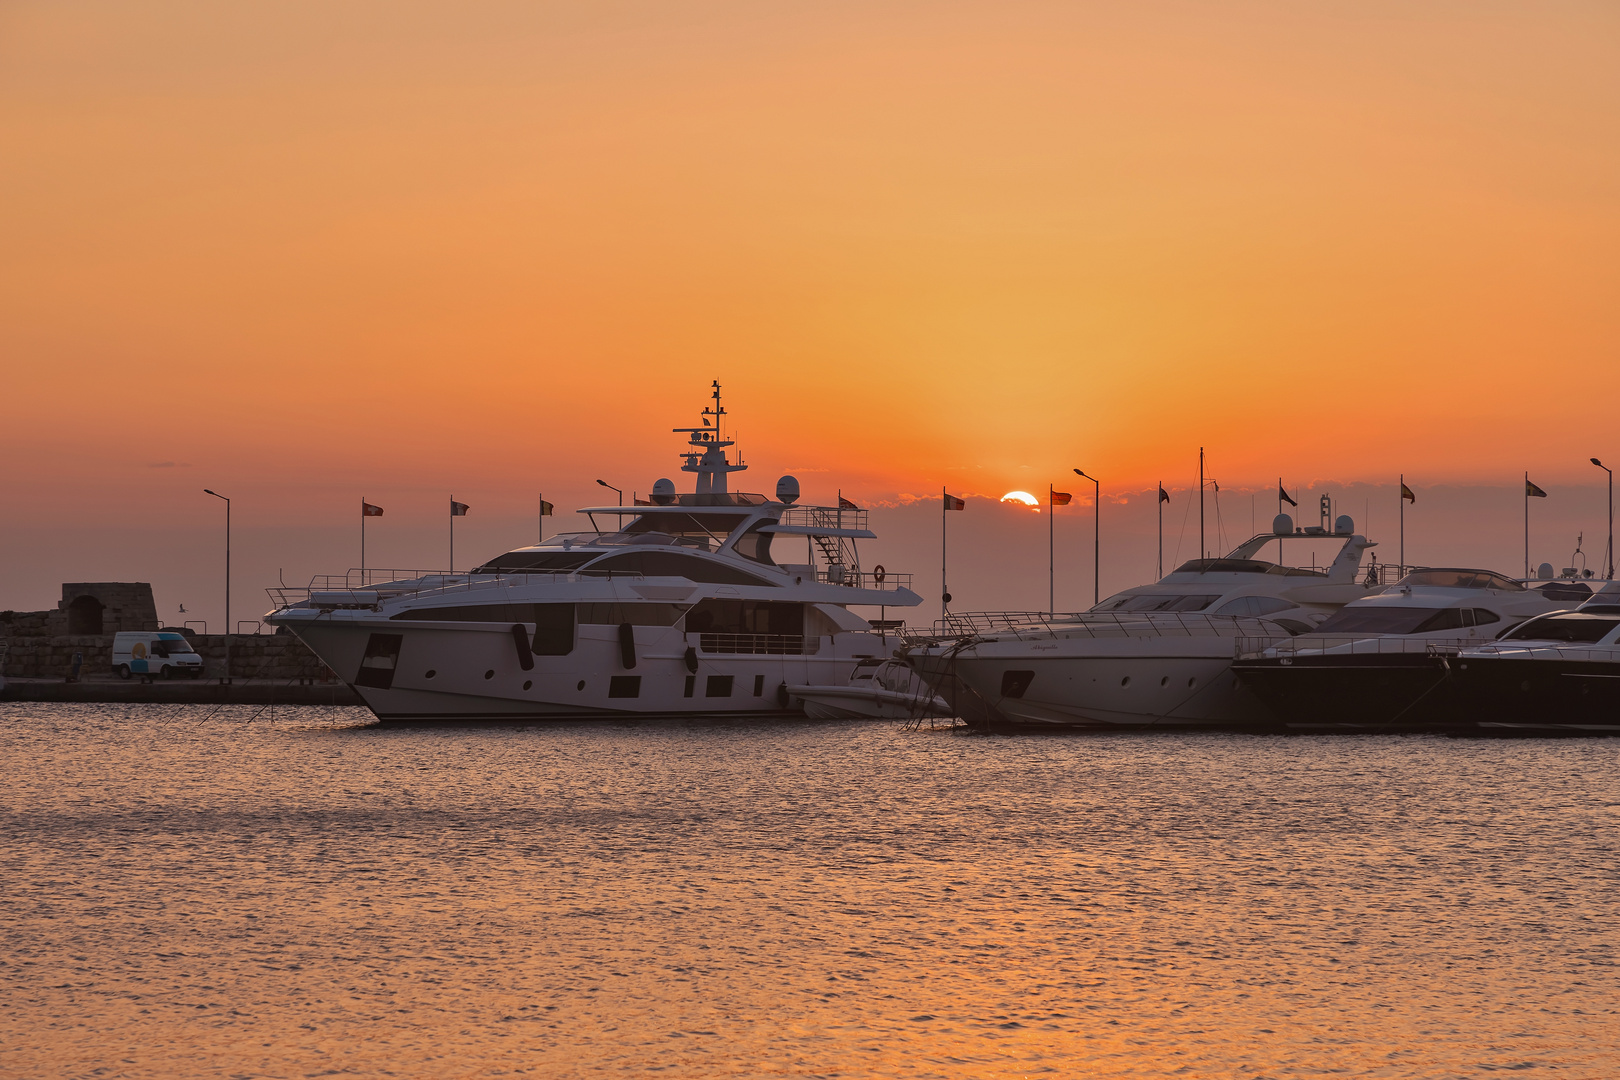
1344	525
663	492
787	490
1545	571
1282	525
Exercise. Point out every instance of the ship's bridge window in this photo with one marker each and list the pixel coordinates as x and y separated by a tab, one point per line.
1577	627
1459	579
704	531
675	564
714	616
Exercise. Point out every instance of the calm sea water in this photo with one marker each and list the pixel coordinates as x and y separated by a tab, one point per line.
191	894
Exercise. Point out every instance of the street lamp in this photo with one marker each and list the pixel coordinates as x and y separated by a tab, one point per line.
1608	554
610	487
1096	542
217	495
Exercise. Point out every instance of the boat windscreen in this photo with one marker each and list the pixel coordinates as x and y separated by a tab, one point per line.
1459	579
1159	602
1573	626
536	562
1377	620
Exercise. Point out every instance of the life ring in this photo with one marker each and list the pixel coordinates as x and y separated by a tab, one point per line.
877	573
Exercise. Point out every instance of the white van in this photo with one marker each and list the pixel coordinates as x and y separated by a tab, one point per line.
155	652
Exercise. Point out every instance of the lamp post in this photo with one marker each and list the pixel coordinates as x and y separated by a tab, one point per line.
610	487
217	495
1608	553
1096	538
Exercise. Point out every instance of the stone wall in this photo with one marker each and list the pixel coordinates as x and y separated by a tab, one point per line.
104	607
253	656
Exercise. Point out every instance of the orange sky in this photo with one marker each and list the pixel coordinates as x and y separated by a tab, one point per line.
308	250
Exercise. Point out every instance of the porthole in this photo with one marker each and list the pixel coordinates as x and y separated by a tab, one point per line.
1191	683
490	674
527	683
1126	681
581	685
431	673
1165	681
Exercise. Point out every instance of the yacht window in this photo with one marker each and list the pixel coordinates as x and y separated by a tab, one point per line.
1446	619
502	613
675	564
535	561
634	614
1253	605
745	617
1482	617
755	545
1376	620
703	531
1168	602
1572	626
1460	579
1565	590
1224	566
553	629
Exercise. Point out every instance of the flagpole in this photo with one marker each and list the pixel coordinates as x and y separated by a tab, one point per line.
362	540
452	534
1200	502
1158	499
1526	524
540	518
944	591
1400	497
1051	554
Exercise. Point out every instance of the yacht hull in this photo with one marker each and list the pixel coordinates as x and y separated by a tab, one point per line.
1539	697
475	673
1112	684
1387	692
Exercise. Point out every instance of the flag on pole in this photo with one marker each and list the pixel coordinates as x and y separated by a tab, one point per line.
953	503
458	509
1533	492
845	504
1164	496
367	510
545	508
1061	498
1283	495
1406	493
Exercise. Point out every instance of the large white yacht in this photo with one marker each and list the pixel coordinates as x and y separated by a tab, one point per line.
1156	655
686	604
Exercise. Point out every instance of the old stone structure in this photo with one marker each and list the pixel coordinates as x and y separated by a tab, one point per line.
41	644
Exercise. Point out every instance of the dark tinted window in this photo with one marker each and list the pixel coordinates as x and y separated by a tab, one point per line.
634	614
553	629
1574	626
755	545
676	564
1376	620
1445	619
1460	579
503	613
624	686
1565	590
1165	602
1485	618
745	617
1223	566
536	561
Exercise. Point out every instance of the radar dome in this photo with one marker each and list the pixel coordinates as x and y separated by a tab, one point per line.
1545	571
663	492
787	490
1344	525
1282	525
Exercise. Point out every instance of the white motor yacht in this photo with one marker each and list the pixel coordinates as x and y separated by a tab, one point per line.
1155	655
687	604
1383	662
1557	674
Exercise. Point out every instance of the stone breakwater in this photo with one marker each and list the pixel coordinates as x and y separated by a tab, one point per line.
280	657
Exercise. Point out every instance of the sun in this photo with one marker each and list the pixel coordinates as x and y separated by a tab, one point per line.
1021	497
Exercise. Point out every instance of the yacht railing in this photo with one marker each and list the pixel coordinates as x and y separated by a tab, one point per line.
1562	650
758	644
1093	624
1308	645
861	579
824	517
368	588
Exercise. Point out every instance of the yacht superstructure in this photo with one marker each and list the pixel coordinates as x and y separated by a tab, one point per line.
685	604
1155	655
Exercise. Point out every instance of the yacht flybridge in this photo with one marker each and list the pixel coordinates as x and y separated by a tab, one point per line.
689	603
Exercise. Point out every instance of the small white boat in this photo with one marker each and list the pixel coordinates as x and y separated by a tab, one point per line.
878	689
